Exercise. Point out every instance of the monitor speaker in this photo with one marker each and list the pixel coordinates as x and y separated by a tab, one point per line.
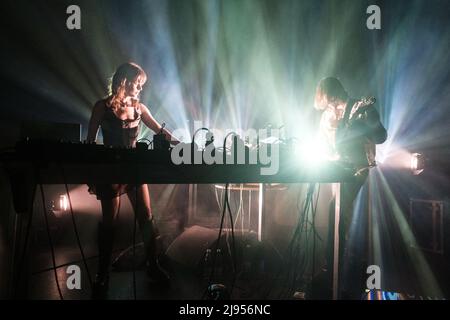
427	224
189	248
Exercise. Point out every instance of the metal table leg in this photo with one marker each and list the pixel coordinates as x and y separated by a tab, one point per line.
337	209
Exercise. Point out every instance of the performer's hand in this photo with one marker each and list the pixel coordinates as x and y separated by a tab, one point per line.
362	109
359	111
372	117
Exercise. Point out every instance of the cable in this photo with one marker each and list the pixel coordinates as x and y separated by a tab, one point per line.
303	265
73	262
308	234
163	125
76	228
296	262
211	277
196	131
25	245
296	258
145	139
50	243
150	143
240	209
297	252
225	145
312	207
233	251
78	237
314	211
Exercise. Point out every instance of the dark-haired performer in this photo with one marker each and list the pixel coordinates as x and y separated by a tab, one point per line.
352	128
119	115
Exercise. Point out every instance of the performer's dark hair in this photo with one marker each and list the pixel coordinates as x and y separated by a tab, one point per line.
329	90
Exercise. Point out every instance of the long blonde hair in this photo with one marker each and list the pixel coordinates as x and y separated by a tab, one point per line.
125	73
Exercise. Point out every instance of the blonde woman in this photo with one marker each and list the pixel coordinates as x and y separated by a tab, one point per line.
119	115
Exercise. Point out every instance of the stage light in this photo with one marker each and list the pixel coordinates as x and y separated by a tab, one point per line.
63	202
394	157
312	153
59	207
417	163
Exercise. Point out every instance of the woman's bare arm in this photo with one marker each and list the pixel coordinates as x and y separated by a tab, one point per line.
96	118
154	125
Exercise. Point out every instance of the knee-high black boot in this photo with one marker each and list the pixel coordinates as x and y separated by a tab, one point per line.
105	245
150	237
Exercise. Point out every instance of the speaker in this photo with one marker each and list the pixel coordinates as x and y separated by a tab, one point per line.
427	224
189	248
194	249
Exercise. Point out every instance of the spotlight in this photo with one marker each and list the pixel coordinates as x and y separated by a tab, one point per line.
312	153
60	206
63	202
417	163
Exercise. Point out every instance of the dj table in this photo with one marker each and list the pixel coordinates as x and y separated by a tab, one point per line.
43	162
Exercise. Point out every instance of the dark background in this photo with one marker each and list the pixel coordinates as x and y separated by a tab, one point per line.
243	64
